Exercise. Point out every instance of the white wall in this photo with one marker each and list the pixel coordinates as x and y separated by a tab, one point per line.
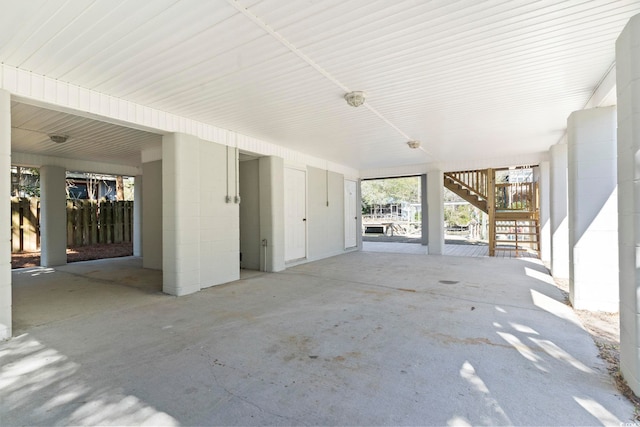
325	224
219	232
559	212
543	177
5	215
271	171
200	228
137	216
152	215
435	212
250	244
593	209
628	91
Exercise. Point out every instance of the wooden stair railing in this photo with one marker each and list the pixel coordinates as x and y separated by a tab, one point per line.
470	185
512	208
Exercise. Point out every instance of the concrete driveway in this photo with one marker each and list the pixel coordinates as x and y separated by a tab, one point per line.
359	339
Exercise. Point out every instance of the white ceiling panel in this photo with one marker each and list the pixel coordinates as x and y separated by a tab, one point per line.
88	139
470	79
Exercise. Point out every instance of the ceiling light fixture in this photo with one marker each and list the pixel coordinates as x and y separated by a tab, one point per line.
355	98
413	144
58	138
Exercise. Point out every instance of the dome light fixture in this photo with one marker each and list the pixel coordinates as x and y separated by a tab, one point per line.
413	144
355	98
58	138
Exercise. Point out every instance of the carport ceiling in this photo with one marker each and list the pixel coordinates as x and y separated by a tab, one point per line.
467	78
32	126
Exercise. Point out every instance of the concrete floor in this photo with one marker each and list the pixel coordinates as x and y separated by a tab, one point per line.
466	249
360	339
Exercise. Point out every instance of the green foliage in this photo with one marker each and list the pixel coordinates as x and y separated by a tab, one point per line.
458	214
391	190
25	182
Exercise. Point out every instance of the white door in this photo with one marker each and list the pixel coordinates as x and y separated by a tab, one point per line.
295	214
350	215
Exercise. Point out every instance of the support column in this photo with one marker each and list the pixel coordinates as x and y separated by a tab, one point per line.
53	216
180	214
593	210
151	209
424	224
435	212
271	172
545	223
491	210
359	211
628	91
137	216
559	208
5	215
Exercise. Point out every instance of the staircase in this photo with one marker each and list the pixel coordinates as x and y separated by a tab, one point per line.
470	185
512	209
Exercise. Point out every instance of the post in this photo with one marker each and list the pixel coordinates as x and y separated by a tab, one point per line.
491	210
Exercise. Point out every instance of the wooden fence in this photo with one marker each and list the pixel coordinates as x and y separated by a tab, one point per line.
88	222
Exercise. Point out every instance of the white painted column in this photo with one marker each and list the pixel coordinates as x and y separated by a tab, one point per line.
5	215
559	203
180	214
628	91
137	216
424	223
593	209
53	216
271	172
151	210
359	220
543	178
435	212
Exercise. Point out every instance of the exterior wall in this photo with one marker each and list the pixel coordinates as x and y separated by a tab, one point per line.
435	212
325	224
271	171
250	245
219	231
628	91
559	212
593	209
5	215
152	215
53	212
200	228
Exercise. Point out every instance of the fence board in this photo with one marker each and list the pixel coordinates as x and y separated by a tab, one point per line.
88	223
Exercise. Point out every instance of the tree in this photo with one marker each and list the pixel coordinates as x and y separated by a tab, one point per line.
391	190
119	188
25	182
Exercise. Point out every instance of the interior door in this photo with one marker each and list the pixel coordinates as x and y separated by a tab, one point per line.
350	214
295	217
